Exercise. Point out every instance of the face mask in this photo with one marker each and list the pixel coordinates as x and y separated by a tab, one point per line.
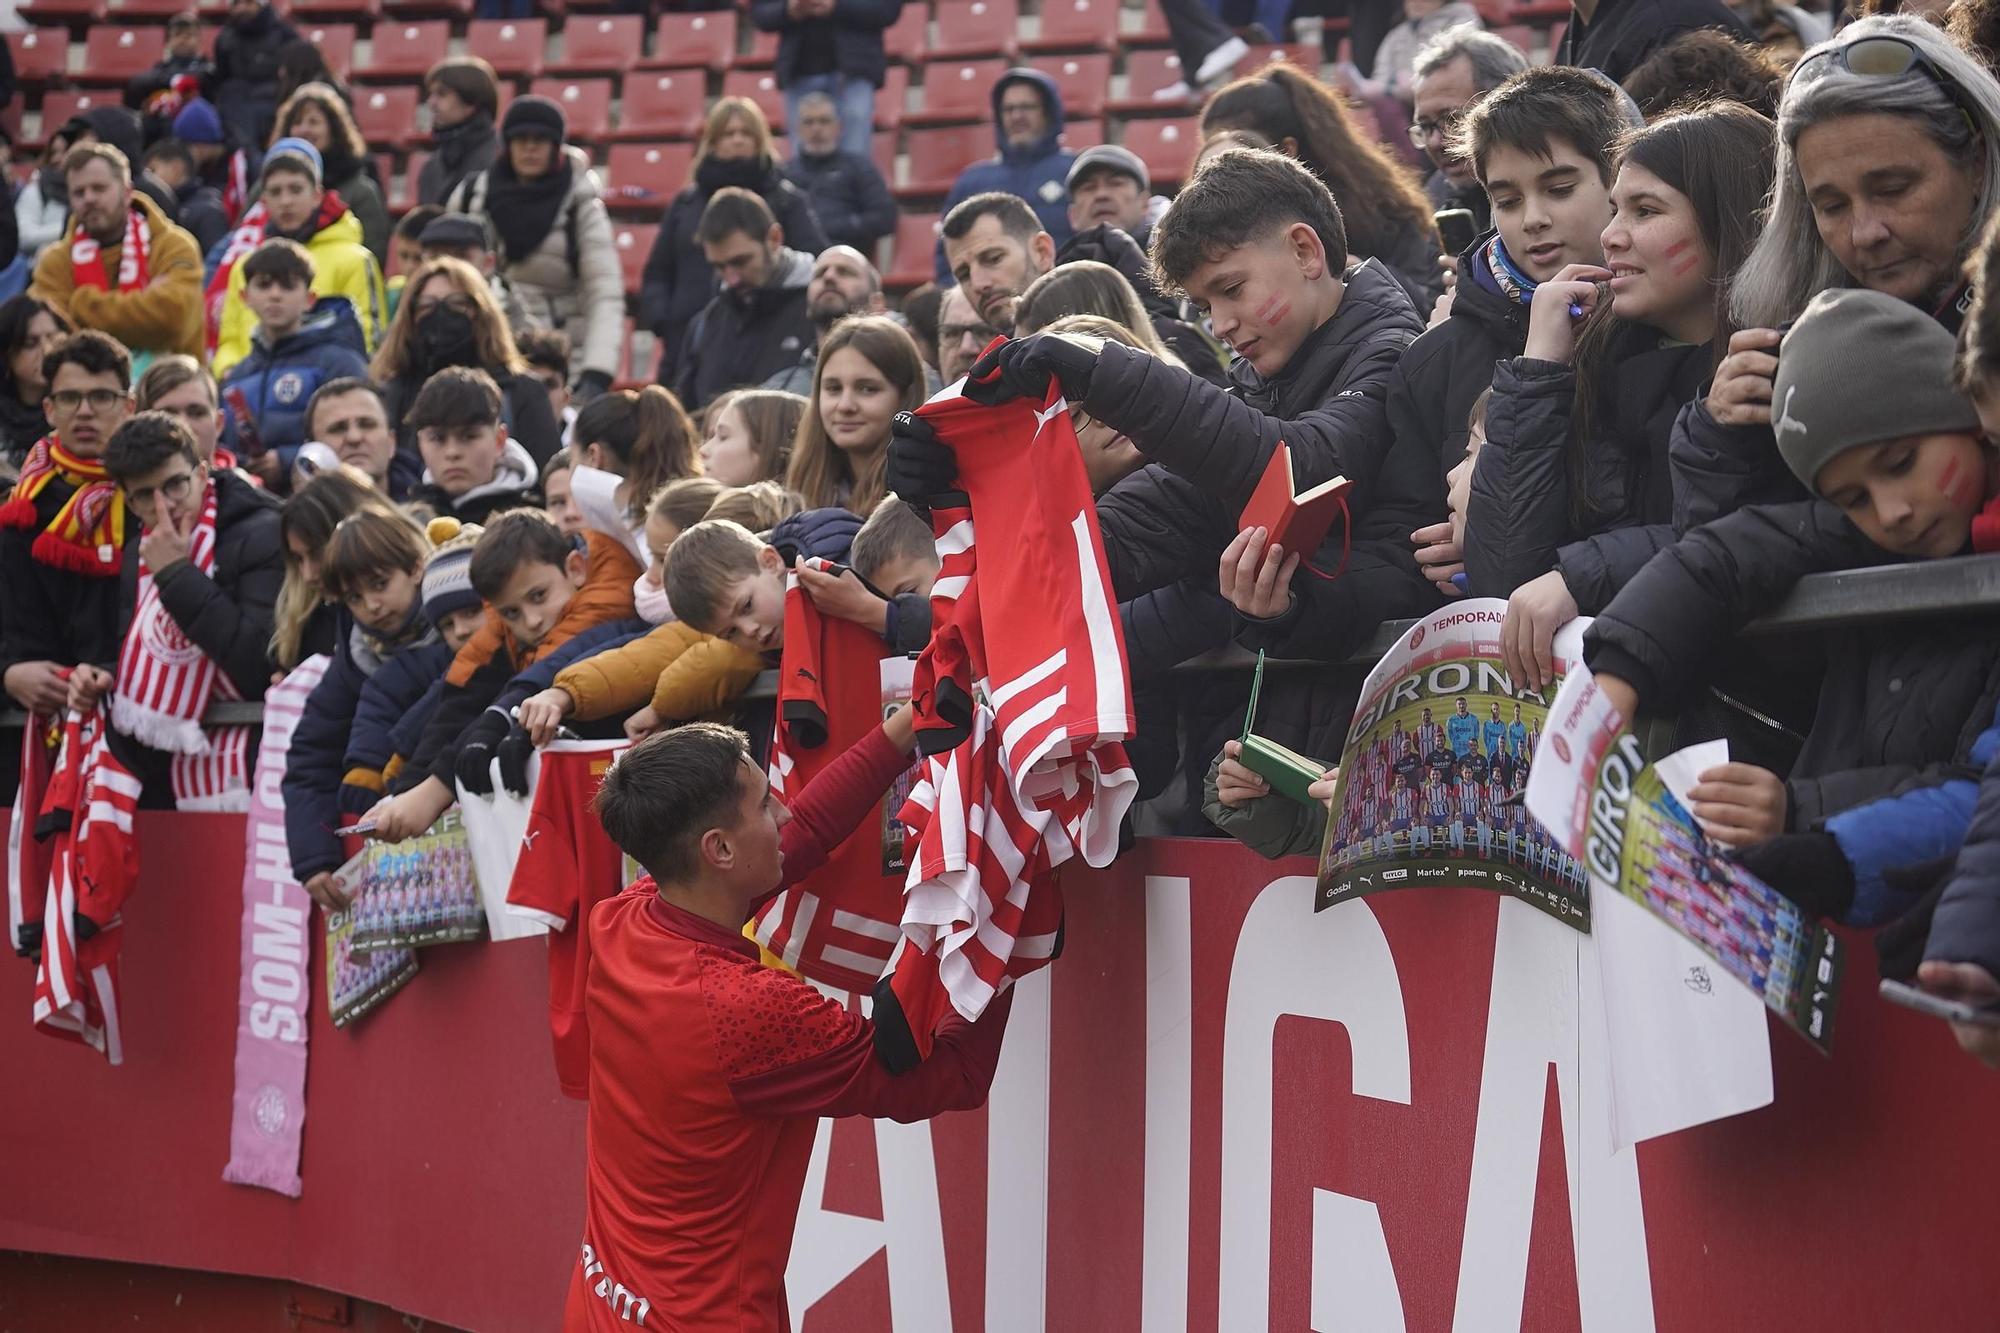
446	338
650	600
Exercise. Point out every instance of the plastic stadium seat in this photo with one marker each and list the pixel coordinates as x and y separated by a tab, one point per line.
1078	135
586	102
892	98
514	47
633	241
659	169
145	10
601	43
905	39
1167	147
336	45
114	52
407	50
456	8
1152	29
62	11
695	41
937	156
1084	81
306	10
761	87
1520	36
1306	56
1077	25
912	260
40	54
387	116
58	107
763	52
975	28
958	90
669	104
412	173
883	150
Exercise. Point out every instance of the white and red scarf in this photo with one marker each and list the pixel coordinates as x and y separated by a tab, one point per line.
249	234
135	253
165	683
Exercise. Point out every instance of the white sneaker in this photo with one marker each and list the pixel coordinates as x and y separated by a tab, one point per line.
1221	60
1174	92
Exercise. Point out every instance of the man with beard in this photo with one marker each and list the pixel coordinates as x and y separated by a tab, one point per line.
843	283
1455	70
996	246
758	323
121	266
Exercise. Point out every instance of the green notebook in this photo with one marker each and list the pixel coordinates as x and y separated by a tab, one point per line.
1288	772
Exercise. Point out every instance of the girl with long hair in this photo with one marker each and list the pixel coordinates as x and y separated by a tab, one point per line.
317	114
304	621
1086	287
750	435
868	371
624	446
28	327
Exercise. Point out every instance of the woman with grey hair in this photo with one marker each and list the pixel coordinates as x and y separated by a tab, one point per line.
1888	163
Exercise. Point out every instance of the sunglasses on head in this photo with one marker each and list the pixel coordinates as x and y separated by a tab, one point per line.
1883	57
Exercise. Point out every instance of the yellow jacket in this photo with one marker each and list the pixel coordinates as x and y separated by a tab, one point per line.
681	672
342	266
163	317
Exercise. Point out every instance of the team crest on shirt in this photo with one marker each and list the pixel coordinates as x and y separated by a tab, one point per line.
1052	191
288	387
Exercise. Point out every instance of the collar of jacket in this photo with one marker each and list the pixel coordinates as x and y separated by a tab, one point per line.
1373	301
516	472
790	274
1479	298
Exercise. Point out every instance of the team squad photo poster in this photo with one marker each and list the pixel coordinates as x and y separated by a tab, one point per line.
1440	741
420	891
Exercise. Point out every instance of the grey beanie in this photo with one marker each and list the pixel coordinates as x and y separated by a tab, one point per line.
1859	367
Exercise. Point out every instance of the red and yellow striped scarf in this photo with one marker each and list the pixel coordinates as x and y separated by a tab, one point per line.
87	535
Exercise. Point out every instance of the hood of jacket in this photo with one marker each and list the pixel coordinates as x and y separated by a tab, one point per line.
1051	102
330	323
1373	309
789	276
582	178
516	472
825	533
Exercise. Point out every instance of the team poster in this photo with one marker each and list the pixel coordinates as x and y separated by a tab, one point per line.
1594	784
1440	742
419	891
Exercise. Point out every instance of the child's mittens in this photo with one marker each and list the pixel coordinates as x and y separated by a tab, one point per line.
1808	868
514	750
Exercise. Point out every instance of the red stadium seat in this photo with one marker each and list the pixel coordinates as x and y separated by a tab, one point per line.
514	47
657	169
1077	25
1078	135
585	102
1302	54
669	104
1520	36
1146	73
306	10
63	11
601	43
695	41
458	9
633	241
395	189
1152	29
912	260
40	54
387	116
336	45
144	10
763	52
905	39
1167	147
114	52
937	156
761	87
883	150
412	173
1084	81
59	107
892	98
957	90
975	28
406	50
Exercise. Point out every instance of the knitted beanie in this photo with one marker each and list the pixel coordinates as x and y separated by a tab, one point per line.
537	115
300	151
198	122
448	572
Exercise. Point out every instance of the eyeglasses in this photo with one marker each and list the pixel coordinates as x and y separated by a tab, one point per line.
100	400
1442	126
173	490
1884	57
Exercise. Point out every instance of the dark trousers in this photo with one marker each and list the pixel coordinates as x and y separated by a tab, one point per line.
1195	32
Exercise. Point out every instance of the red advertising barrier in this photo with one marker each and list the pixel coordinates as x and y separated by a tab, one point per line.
1219	1110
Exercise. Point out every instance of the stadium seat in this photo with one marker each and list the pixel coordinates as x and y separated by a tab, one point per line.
670	104
1152	29
412	173
1078	135
387	117
695	41
601	44
114	52
62	11
1303	54
657	169
407	50
145	10
883	150
58	107
633	241
912	260
761	87
763	52
904	40
1076	25
892	98
514	47
938	155
957	90
396	194
1083	80
1167	147
336	45
458	9
586	103
40	54
304	11
1146	73
968	28
1520	36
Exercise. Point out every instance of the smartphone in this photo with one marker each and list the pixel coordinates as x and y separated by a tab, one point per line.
1956	1011
1456	229
361	830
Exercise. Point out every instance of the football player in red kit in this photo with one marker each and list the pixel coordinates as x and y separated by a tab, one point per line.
708	1070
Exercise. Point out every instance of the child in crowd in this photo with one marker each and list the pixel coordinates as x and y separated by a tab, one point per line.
761	506
471	469
557	501
301	342
624	447
750	435
868	371
547	353
306	621
406	250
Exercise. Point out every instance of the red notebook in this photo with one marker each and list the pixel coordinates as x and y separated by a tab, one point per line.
1296	522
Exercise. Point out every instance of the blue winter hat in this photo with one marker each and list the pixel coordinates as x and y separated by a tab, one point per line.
198	122
300	149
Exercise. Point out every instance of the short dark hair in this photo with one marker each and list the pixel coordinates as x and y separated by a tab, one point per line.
1701	66
733	209
516	538
412	225
144	442
1016	218
282	261
545	349
1243	195
471	78
169	150
559	461
664	793
1578	106
92	350
455	398
892	532
335	388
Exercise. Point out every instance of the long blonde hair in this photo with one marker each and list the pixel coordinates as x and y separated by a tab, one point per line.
726	110
311	514
826	475
492	339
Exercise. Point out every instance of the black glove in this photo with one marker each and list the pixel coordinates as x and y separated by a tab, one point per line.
513	752
1112	245
590	384
1023	368
28	940
1899	945
920	465
476	745
85	928
1808	868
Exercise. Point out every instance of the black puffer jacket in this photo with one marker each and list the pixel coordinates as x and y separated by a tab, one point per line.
1522	519
1432	392
1896	699
1622	33
1966	927
1720	469
747	335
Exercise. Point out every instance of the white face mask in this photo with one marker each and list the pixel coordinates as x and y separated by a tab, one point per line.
650	600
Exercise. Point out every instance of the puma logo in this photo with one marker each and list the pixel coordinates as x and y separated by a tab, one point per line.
528	839
1786	421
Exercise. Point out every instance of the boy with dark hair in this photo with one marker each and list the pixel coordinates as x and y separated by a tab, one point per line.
757	324
547	353
995	247
301	342
471	469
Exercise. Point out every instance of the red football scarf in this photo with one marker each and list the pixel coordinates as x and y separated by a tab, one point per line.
87	535
86	257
